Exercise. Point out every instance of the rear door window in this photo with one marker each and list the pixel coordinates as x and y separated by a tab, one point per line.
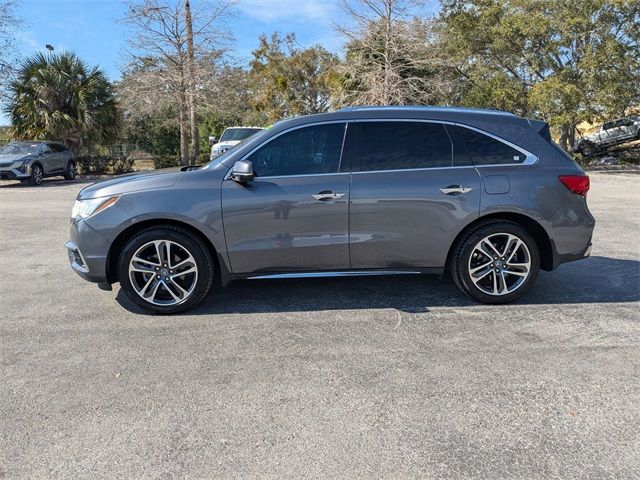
399	145
472	146
55	147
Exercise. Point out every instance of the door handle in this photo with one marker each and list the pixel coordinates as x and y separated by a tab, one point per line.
326	195
455	189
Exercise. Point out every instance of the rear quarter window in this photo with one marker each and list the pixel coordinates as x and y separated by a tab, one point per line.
472	146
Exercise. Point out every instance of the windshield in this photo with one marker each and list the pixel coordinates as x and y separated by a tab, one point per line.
19	148
255	140
237	133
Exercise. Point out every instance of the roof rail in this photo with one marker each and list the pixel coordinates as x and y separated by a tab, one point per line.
487	111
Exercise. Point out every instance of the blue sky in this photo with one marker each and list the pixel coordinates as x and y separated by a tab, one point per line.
91	29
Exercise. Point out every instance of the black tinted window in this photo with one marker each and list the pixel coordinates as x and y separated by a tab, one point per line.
304	151
55	147
469	145
399	145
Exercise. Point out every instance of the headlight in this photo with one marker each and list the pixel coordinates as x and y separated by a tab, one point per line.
86	208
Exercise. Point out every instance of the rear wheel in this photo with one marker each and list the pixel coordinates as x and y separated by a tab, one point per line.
70	172
37	175
496	263
166	270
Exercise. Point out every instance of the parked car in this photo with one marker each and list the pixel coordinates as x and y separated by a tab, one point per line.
231	137
609	133
484	195
33	161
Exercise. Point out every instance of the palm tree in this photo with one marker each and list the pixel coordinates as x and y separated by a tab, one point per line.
58	97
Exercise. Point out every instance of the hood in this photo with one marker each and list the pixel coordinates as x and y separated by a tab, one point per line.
132	182
228	143
9	159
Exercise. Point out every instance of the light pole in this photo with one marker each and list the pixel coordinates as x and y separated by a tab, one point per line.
49	47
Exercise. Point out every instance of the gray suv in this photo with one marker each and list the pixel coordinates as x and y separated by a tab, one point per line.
33	161
484	195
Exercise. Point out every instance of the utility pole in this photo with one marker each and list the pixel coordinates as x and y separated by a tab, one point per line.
191	60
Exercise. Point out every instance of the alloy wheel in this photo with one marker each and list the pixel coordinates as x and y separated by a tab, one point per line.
163	272
499	264
36	175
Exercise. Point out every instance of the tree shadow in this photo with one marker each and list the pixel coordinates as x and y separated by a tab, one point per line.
593	280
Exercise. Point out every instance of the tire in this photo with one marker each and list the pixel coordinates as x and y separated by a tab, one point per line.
174	292
37	175
70	172
474	272
587	149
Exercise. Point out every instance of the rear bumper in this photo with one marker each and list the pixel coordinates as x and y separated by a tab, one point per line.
571	257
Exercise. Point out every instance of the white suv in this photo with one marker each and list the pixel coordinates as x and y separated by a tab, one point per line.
231	137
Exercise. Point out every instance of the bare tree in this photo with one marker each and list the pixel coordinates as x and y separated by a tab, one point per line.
9	24
392	54
159	51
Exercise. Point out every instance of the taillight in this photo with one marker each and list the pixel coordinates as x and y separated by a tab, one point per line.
578	184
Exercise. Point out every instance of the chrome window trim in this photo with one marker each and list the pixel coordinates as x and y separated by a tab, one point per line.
530	158
396	170
302	175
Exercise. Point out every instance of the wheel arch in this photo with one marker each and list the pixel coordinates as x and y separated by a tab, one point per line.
123	237
537	231
34	163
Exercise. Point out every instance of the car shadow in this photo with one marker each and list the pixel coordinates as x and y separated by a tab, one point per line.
593	280
49	182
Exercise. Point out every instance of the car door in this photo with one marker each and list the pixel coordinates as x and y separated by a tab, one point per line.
294	215
47	158
58	158
610	132
409	197
627	129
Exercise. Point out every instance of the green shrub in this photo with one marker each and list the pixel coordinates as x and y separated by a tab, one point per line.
165	161
203	158
93	164
122	165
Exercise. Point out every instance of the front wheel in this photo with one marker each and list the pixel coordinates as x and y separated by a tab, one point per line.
165	270
587	149
496	263
37	175
70	172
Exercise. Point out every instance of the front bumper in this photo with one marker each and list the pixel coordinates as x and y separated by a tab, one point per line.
16	171
87	251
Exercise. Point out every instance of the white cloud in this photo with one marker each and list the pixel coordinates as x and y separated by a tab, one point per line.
271	10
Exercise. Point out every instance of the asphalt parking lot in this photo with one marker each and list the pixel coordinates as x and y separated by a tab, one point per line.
394	377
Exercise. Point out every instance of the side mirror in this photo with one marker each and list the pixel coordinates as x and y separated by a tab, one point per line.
213	140
242	171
